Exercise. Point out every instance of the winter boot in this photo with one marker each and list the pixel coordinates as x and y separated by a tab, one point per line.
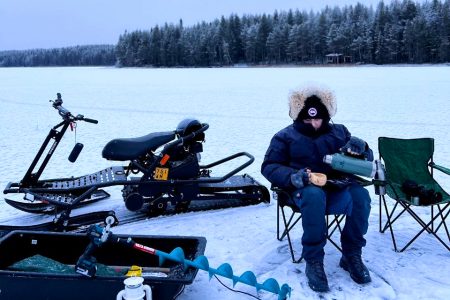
355	266
317	280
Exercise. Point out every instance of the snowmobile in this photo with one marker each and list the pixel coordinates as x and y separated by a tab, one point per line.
162	171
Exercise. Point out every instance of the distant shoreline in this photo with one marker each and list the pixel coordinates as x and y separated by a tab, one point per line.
250	66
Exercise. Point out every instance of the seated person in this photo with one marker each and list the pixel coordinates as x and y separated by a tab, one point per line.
296	151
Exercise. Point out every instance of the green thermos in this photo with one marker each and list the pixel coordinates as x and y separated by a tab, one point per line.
351	165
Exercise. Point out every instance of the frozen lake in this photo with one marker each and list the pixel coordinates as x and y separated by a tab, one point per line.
244	108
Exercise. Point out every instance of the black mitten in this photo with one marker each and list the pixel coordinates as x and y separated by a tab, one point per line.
355	146
300	179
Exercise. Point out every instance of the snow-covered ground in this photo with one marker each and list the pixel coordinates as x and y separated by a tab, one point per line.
244	107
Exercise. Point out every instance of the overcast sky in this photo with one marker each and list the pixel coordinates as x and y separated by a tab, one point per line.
26	24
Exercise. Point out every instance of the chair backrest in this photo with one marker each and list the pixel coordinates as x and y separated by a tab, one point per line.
407	159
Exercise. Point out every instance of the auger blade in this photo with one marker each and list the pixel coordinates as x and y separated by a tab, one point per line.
201	263
177	255
248	277
225	270
270	285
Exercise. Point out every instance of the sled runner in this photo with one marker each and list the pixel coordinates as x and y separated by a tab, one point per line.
162	169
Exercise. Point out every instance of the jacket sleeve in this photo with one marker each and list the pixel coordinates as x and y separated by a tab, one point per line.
275	166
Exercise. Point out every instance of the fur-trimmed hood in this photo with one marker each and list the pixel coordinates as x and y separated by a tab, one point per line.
298	97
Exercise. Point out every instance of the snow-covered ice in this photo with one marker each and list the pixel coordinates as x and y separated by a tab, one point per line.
244	107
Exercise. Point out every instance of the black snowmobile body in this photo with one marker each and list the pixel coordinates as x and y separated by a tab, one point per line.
153	180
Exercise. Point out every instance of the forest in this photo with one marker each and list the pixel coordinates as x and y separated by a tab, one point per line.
399	32
90	55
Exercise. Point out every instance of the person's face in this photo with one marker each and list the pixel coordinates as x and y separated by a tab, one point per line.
316	123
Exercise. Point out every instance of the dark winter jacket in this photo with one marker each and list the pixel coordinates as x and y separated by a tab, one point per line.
298	146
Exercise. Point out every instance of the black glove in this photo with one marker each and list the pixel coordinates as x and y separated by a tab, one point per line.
355	146
300	179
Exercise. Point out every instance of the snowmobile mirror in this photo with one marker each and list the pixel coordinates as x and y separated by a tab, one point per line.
75	152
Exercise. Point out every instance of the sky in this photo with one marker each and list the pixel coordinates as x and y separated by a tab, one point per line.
28	24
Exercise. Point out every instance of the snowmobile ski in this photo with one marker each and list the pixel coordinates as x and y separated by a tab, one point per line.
44	207
78	223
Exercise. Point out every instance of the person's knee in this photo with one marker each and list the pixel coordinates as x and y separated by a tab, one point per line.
360	201
311	197
360	196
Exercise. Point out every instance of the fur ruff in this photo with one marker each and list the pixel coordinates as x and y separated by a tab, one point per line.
298	97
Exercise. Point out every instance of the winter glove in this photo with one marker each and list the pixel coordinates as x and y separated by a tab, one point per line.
355	146
300	179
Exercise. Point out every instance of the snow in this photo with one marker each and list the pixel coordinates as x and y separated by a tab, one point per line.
244	107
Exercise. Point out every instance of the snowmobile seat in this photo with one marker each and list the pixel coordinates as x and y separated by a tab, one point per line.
413	189
132	148
291	215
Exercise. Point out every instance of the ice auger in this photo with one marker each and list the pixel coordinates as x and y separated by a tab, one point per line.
99	235
224	270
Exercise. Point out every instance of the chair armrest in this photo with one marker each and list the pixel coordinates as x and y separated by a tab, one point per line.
362	181
276	189
283	197
440	168
378	182
280	191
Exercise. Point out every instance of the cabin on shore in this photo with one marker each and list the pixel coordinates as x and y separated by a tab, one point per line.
338	58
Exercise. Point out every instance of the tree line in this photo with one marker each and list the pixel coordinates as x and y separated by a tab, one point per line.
398	32
91	55
401	32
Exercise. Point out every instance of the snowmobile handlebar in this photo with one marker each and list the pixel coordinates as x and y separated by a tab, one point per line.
82	118
66	114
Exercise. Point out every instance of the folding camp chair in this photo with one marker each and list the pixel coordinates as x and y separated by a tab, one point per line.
409	160
291	215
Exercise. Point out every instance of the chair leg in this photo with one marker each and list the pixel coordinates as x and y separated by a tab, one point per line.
332	226
288	225
407	208
388	222
443	218
432	215
278	221
391	214
380	214
291	248
443	222
425	226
